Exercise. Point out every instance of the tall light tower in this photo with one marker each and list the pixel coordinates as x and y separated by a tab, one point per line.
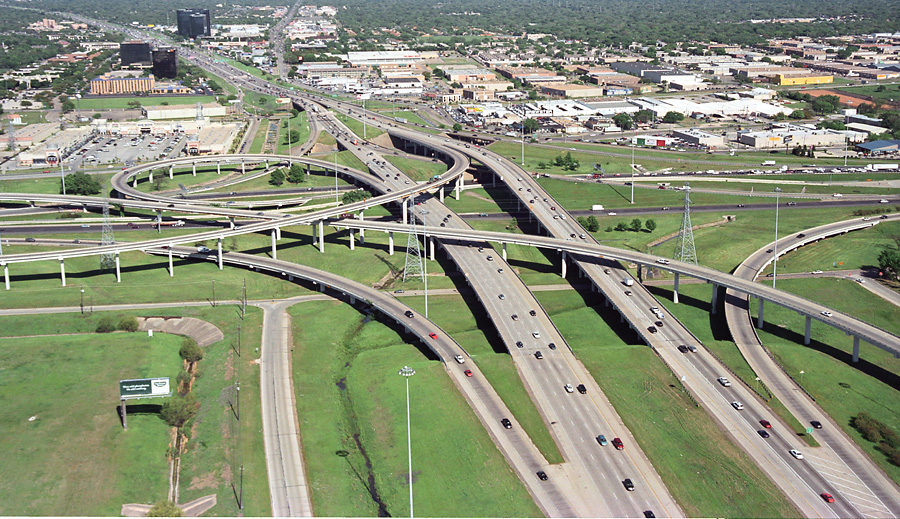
775	260
407	372
684	243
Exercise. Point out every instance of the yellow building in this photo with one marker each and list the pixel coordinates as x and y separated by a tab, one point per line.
787	80
111	84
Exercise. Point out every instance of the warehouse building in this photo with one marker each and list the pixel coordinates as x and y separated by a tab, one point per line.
157	113
572	91
700	138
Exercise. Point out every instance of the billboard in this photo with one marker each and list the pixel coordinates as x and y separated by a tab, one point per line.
144	388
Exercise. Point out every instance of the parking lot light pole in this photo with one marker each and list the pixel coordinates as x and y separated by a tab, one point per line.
407	372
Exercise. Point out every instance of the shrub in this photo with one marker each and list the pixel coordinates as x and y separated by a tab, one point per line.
179	409
164	509
190	351
106	325
128	324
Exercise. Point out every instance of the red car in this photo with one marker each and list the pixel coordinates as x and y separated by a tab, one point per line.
617	443
468	372
827	497
765	423
433	335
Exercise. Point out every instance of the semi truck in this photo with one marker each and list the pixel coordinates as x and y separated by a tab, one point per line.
882	167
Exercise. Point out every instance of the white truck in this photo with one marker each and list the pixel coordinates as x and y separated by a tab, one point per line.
768	163
882	167
628	282
597	207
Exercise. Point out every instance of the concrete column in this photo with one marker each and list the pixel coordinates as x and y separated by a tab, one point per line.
563	264
171	172
390	243
118	269
151	176
134	181
171	265
675	291
352	300
352	239
62	271
503	245
362	232
314	233
321	235
458	187
278	232
6	275
231	222
715	298
274	251
267	163
405	209
431	247
806	335
220	252
194	169
242	167
759	318
218	168
855	348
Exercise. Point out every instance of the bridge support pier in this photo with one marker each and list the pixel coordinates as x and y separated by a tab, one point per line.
806	335
352	239
390	243
231	222
504	250
6	275
759	318
274	251
171	172
133	182
218	168
431	247
715	298
675	291
118	269
243	170
220	252
171	265
458	187
352	300
321	235
441	194
362	232
267	163
564	264
855	348
278	232
62	271
151	176
405	210
194	169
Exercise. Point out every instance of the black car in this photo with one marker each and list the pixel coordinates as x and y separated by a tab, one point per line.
506	423
683	348
769	251
659	324
532	313
581	389
801	235
816	424
408	314
552	345
30	240
629	486
649	513
764	433
542	475
519	344
652	329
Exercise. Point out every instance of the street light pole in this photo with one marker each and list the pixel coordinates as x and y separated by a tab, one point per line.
632	173
335	177
775	262
523	143
801	377
407	372
82	301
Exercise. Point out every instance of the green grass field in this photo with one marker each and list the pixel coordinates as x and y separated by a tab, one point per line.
351	400
788	189
259	139
880	92
118	103
356	127
705	473
297	123
43	185
417	169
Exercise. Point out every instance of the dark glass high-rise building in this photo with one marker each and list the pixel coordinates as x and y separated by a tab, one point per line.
134	52
193	22
165	63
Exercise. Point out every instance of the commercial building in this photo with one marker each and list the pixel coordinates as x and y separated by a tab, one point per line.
397	58
112	83
801	79
572	91
212	139
57	147
879	147
134	52
792	136
165	62
193	23
186	111
701	138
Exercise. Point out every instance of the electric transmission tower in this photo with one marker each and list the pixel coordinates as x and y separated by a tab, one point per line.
413	267
684	244
107	259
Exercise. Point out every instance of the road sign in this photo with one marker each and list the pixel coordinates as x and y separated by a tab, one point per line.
809	430
144	388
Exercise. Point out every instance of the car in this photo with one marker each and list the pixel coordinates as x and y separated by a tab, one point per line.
617	443
532	313
662	261
737	405
581	388
762	432
30	240
538	355
500	271
769	251
827	497
443	224
683	348
628	292
569	388
659	324
740	205
797	454
552	345
506	423
409	314
611	213
480	249
433	335
649	513
515	317
536	335
724	381
606	271
553	208
816	272
883	217
792	203
501	297
816	424
399	291
490	258
203	249
602	440
468	372
542	475
826	313
882	201
651	329
519	344
629	485
459	359
765	423
860	280
692	348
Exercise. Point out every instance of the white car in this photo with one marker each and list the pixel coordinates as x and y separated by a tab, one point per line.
737	405
882	201
460	359
536	335
797	454
569	388
724	381
662	261
611	213
816	272
826	313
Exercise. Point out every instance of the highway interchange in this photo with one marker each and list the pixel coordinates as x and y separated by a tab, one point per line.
589	482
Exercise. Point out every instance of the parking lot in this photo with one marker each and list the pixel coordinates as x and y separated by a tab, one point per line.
129	150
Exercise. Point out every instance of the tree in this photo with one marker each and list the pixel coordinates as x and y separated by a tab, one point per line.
276	178
67	106
179	409
889	262
457	127
106	325
164	509
531	125
190	351
292	137
128	324
357	195
593	225
635	225
296	174
81	183
642	116
650	225
621	226
673	117
623	121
